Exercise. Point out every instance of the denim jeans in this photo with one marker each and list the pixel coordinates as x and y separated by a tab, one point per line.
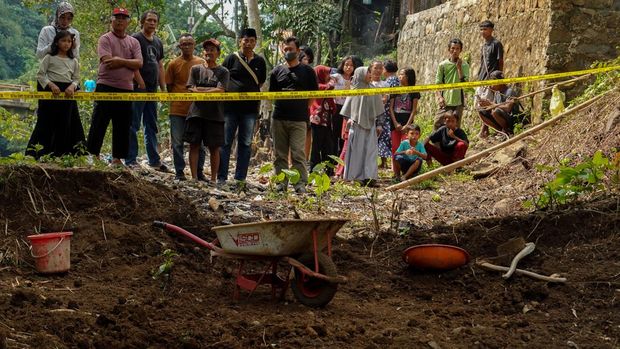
245	123
147	113
177	128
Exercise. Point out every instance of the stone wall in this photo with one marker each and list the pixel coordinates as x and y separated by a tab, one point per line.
539	36
522	26
582	32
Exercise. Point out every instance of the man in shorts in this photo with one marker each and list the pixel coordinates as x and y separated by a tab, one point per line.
205	120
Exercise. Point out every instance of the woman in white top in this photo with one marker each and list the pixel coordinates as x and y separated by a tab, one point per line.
62	21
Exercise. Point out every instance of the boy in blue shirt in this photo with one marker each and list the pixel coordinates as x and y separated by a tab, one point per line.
409	155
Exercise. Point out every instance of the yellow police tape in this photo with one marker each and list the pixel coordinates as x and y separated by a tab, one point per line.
241	96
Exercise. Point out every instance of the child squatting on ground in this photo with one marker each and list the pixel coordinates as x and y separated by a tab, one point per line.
448	144
409	155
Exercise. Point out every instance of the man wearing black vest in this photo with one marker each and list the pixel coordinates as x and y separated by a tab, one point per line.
248	72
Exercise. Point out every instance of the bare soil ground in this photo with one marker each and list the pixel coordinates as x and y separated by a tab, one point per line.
110	300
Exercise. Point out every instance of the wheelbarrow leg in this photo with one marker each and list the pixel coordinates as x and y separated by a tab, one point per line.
316	250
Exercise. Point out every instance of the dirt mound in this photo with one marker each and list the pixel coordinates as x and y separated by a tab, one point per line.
109	299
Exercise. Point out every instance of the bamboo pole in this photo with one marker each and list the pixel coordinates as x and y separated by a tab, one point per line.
484	153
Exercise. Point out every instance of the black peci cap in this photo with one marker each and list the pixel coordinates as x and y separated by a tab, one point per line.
248	32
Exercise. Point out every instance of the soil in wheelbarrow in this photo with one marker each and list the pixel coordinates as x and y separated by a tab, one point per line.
109	299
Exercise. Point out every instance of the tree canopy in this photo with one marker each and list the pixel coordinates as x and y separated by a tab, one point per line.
19	29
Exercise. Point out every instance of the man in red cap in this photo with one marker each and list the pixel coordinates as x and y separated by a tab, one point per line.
119	57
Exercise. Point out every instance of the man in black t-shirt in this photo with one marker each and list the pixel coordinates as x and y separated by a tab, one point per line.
147	79
448	144
492	52
491	59
290	116
205	119
248	72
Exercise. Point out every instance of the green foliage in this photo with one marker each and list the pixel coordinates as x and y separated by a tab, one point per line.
603	83
15	131
571	182
164	271
19	30
320	181
293	176
342	189
308	18
426	184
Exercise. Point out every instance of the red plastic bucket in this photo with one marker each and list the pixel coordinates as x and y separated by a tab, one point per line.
51	252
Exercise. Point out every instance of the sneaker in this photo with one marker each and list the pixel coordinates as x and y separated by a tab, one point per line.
202	178
300	189
281	187
180	177
160	167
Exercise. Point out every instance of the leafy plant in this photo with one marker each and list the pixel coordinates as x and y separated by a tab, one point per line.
603	82
573	181
164	271
292	176
320	181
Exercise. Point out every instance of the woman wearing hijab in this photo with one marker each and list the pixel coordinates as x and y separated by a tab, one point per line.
322	111
62	21
363	113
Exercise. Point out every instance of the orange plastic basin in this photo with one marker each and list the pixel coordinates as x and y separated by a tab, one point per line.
435	257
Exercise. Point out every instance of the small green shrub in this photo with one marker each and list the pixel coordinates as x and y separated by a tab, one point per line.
570	182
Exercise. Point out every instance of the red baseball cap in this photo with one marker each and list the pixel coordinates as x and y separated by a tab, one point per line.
212	42
120	11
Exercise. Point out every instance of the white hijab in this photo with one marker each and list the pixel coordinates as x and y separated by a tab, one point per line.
363	110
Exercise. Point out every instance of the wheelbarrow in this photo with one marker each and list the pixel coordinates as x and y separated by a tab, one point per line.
304	244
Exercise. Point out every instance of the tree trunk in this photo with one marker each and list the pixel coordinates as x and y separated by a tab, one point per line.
254	22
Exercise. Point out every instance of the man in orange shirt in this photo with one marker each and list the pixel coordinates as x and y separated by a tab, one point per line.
177	75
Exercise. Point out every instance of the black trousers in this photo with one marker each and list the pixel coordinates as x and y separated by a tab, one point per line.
120	113
58	130
323	145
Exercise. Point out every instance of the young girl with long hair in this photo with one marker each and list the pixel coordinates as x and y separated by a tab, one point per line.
403	108
58	130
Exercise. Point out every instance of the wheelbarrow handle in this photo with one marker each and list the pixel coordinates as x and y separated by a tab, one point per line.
174	229
159	224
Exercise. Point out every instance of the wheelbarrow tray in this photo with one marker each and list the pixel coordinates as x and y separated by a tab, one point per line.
277	238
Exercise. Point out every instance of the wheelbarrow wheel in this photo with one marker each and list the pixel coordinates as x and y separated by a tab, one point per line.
311	291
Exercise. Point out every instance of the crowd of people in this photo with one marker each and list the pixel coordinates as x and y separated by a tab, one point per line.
305	133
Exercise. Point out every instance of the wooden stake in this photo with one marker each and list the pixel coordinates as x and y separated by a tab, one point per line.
484	153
